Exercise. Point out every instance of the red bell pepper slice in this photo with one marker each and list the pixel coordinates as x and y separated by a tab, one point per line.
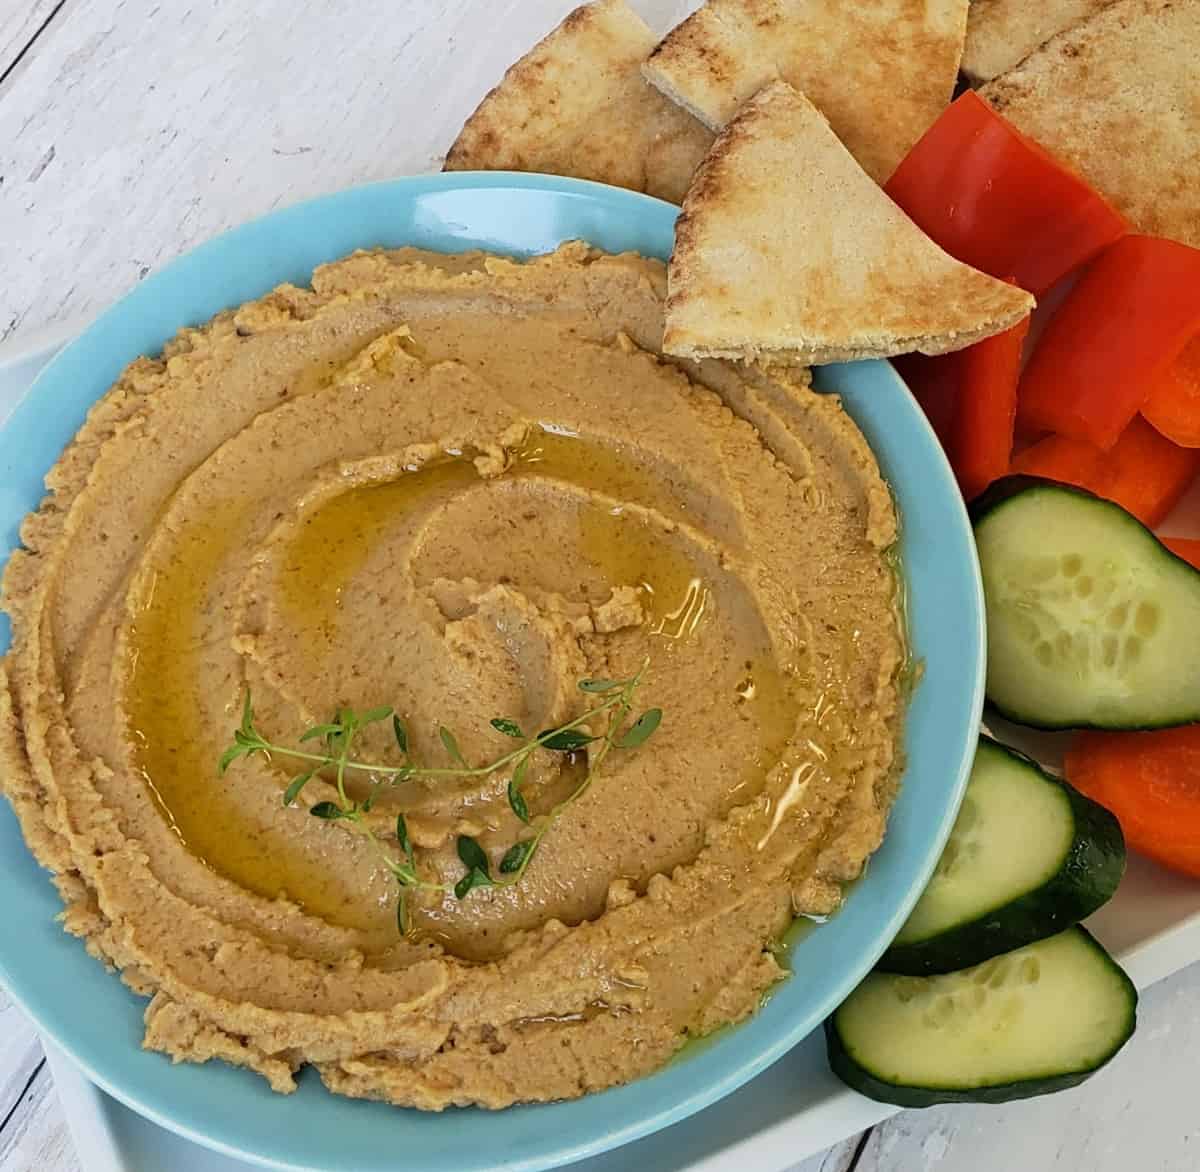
1173	405
983	439
970	397
997	200
935	384
1127	319
1187	548
1142	472
1151	781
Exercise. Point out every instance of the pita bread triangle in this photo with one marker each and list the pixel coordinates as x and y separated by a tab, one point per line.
1117	98
788	251
881	71
577	104
1002	33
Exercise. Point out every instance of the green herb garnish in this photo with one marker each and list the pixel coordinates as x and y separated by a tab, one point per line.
337	736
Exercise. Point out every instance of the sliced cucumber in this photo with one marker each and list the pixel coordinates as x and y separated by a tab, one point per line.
1092	623
1028	857
1030	1022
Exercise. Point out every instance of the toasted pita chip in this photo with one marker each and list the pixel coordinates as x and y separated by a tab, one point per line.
787	251
1118	99
577	104
1002	33
881	72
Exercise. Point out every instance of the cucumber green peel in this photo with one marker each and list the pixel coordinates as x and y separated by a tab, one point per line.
1037	1020
1028	856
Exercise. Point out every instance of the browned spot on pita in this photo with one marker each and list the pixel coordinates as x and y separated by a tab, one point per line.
576	104
1117	99
881	72
1002	33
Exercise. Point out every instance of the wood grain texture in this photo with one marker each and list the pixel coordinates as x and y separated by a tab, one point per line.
141	129
841	1158
133	130
33	1131
20	1057
21	22
36	1139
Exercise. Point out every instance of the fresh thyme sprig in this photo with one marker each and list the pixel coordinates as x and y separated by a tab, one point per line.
337	737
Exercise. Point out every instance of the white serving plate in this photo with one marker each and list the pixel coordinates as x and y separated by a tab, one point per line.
789	1112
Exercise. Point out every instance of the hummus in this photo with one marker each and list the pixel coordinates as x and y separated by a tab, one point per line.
455	485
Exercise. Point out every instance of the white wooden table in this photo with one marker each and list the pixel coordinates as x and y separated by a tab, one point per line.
132	129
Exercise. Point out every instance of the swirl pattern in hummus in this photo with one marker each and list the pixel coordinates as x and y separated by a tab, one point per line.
456	485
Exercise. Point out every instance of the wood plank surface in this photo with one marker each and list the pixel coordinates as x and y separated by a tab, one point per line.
20	1057
22	23
33	1130
144	128
131	130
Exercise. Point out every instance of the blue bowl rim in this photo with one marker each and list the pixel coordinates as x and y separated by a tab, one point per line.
676	1108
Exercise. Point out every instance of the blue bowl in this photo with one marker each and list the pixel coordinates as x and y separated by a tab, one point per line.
98	1022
